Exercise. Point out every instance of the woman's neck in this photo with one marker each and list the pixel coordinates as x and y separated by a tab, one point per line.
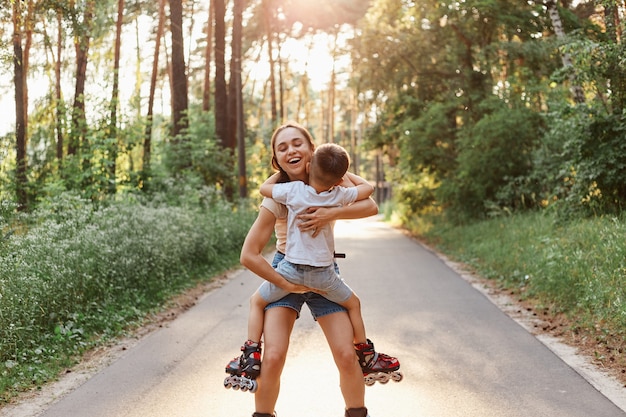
304	178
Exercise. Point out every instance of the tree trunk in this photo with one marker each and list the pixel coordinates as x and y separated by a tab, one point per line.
115	98
576	89
19	79
221	95
238	96
206	92
60	106
615	73
82	53
179	77
281	84
28	26
268	15
147	142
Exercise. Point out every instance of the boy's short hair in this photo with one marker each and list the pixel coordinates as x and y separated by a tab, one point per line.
329	163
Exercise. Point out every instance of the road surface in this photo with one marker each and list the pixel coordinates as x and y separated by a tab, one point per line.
460	354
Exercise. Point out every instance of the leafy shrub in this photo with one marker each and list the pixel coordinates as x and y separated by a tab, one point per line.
492	157
81	274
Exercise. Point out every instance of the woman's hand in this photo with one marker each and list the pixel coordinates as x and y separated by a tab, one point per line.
315	218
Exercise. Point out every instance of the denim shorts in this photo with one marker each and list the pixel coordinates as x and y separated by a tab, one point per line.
318	305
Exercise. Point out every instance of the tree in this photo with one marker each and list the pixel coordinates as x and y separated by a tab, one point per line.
615	56
82	38
147	142
60	106
179	76
206	91
269	19
236	95
113	148
221	94
19	81
577	91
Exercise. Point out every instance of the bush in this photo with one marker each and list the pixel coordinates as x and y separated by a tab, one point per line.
81	275
494	155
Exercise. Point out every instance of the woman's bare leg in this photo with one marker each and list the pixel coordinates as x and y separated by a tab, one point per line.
277	329
338	331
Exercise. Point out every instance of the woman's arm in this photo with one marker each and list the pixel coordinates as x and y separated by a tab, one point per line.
252	252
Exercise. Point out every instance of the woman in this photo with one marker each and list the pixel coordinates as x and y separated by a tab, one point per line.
292	148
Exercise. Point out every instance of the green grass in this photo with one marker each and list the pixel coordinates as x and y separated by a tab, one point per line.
576	267
80	276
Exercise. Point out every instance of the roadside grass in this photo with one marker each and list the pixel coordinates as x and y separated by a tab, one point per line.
74	276
574	269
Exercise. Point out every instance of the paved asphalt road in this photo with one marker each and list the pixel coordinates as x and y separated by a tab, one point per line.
461	355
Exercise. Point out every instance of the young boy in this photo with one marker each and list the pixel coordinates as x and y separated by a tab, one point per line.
309	261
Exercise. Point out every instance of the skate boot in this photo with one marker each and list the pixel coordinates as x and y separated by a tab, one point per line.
357	412
377	366
244	370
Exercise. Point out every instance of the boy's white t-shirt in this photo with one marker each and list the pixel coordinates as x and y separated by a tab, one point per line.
302	248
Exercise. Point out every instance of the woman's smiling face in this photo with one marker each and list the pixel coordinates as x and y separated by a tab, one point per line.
293	152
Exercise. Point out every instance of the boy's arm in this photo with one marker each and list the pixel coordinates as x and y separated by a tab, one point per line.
268	186
364	189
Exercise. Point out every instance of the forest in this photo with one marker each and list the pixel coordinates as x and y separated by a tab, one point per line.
125	118
464	107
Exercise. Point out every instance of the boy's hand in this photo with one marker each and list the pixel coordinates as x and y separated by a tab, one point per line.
300	289
314	219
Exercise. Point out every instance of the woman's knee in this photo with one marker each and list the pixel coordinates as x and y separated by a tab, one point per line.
273	360
346	358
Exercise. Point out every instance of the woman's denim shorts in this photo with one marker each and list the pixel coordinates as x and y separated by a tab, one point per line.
318	305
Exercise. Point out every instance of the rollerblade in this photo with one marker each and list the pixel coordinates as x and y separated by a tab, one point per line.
377	366
244	370
357	412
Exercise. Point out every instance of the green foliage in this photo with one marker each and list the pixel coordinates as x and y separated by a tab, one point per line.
493	154
576	268
197	155
429	140
81	274
599	161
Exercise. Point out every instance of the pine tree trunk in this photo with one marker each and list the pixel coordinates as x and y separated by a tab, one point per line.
20	116
221	95
268	14
208	53
147	142
179	77
60	106
115	98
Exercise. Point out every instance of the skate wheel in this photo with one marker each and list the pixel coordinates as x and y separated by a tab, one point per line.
397	376
369	380
383	378
228	382
255	386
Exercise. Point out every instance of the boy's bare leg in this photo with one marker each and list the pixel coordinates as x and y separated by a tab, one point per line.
353	305
256	317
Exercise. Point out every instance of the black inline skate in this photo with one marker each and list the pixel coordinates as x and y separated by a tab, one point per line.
244	370
377	366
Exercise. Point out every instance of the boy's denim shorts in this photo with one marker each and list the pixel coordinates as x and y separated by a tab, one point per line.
318	305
